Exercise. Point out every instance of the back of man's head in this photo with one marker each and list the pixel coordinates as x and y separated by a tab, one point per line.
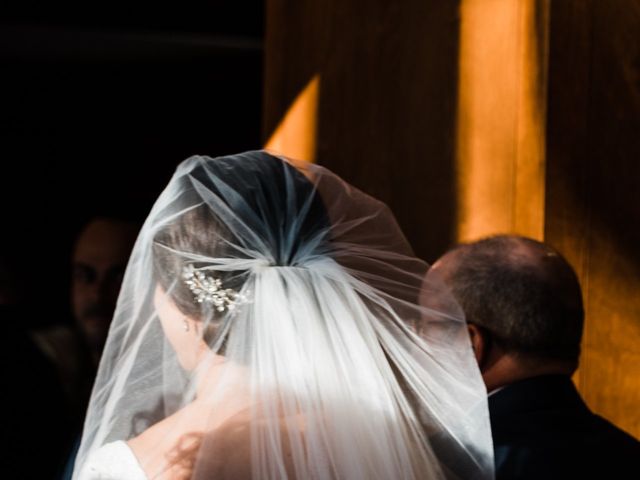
523	293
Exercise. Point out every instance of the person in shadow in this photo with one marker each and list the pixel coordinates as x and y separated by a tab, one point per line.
36	429
98	262
524	309
99	259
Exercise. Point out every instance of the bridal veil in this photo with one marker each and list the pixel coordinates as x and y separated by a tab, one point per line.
270	325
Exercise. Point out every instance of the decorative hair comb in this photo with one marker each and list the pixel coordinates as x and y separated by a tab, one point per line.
210	290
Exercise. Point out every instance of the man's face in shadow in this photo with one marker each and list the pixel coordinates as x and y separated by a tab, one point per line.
436	291
99	260
443	317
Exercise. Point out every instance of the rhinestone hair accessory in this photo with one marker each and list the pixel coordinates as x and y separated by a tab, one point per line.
210	290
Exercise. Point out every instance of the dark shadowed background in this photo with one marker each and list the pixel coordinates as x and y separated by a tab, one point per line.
99	102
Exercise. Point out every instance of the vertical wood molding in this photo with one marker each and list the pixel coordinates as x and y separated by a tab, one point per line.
501	118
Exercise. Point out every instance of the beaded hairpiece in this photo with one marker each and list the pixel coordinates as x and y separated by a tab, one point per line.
210	290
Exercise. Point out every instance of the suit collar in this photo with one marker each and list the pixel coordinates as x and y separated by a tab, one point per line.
534	394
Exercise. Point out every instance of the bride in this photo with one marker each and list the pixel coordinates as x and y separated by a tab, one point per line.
269	327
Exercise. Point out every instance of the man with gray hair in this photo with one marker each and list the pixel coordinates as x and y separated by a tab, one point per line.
525	316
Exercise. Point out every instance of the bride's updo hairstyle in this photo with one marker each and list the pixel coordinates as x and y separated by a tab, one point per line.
271	198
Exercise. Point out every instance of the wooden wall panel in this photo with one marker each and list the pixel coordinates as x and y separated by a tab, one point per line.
387	75
501	118
593	189
386	82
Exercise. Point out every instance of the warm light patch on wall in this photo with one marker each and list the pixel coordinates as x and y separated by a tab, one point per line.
295	135
501	118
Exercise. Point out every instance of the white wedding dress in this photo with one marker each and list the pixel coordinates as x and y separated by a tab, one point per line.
113	461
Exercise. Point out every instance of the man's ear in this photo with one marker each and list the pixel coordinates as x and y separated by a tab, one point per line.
478	343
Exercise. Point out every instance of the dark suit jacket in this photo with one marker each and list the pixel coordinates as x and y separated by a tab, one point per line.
542	429
36	423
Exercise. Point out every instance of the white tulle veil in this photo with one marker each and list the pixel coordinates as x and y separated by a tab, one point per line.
293	342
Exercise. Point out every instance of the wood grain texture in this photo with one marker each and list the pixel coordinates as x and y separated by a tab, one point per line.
388	82
593	190
388	76
501	118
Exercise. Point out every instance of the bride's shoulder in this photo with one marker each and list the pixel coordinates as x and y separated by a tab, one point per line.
232	443
112	461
